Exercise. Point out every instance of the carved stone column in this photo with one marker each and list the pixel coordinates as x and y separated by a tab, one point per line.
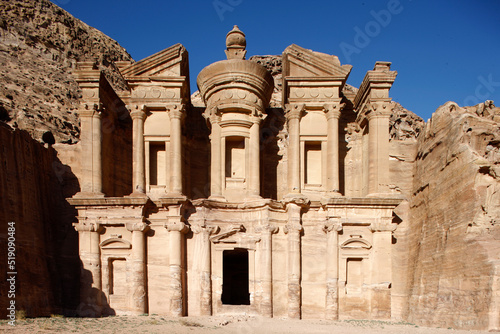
254	174
378	148
138	299
176	114
381	278
266	250
203	255
91	276
332	115
139	180
293	114
215	157
176	228
91	139
332	229
294	229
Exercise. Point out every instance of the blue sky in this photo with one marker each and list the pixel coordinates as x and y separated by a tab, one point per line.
442	50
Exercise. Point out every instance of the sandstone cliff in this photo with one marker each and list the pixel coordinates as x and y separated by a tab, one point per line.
33	186
454	248
39	46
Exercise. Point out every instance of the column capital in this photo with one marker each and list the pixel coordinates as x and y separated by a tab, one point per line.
332	110
202	228
176	226
137	227
91	110
138	114
379	109
383	224
256	120
176	111
333	224
267	228
294	111
293	226
88	227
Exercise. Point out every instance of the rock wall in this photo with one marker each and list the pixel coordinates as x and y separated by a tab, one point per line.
33	186
453	242
39	46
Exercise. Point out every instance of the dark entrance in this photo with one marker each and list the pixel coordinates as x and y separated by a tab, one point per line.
235	277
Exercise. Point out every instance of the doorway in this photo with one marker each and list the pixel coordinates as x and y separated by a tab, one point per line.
235	277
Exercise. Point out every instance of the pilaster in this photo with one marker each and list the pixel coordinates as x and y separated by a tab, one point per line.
293	113
294	229
176	229
176	113
139	176
332	228
266	281
138	299
202	234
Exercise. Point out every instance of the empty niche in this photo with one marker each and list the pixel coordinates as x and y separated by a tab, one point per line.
313	171
235	157
157	164
118	277
354	275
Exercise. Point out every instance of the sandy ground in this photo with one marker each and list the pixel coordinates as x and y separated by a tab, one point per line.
219	325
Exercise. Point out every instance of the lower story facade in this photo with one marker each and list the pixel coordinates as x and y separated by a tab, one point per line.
297	259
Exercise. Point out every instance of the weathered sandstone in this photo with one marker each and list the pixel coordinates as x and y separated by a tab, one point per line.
331	201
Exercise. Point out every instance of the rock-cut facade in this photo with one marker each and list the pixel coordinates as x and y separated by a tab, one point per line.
230	204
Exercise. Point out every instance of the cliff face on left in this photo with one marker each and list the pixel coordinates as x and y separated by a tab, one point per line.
39	46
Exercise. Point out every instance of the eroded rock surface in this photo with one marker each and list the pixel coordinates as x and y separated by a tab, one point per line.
455	208
39	46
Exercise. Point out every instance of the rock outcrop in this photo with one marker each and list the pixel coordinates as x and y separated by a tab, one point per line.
39	46
454	248
33	186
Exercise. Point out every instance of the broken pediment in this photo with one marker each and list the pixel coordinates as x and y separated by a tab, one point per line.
300	62
171	62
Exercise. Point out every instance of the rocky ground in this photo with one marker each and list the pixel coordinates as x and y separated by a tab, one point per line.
221	325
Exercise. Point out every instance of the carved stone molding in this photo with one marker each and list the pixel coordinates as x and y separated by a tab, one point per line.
88	227
138	227
267	228
294	111
333	224
176	226
332	110
383	224
176	111
207	229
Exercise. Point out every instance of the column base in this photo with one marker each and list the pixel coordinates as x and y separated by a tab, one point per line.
171	199
386	195
218	198
85	194
137	194
298	198
252	197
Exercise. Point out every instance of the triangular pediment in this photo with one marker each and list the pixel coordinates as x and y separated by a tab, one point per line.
172	61
300	62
